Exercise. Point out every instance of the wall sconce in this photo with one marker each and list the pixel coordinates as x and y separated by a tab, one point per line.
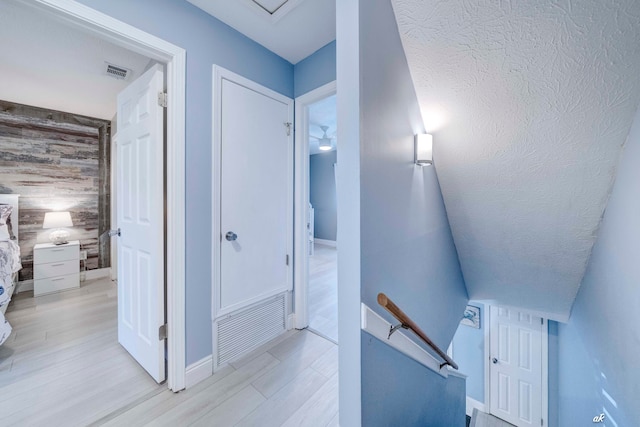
57	221
423	153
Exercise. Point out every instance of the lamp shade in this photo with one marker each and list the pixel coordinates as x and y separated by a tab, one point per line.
57	220
423	149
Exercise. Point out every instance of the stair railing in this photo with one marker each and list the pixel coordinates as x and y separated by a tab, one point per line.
407	323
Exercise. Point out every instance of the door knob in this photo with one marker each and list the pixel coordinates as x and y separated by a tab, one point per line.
494	360
231	236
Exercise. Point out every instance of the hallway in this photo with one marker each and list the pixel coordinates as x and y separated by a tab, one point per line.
63	362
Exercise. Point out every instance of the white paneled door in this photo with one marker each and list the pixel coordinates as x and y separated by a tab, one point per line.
516	353
140	218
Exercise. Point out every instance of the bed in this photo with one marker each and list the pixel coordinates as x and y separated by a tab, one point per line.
9	257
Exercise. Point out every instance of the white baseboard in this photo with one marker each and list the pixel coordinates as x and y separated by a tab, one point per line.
199	371
331	243
98	273
472	403
291	321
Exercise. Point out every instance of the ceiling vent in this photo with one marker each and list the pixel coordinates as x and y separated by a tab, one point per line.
274	10
116	71
270	6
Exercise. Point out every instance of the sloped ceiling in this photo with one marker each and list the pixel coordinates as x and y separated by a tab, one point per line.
49	64
530	104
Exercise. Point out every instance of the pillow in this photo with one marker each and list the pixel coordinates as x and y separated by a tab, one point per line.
4	233
5	221
5	213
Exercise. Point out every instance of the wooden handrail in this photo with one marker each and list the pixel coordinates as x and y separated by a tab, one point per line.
407	323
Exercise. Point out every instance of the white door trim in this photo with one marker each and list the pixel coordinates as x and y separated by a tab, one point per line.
174	58
301	200
545	362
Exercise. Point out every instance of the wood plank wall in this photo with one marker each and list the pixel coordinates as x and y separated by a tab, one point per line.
57	161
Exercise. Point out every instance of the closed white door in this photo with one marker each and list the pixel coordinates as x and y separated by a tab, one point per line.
140	217
516	366
256	196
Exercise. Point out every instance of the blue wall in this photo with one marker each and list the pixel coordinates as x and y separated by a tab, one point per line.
207	42
316	70
322	193
407	249
411	395
599	349
468	352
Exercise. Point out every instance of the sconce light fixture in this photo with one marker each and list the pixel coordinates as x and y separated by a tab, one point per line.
58	221
423	143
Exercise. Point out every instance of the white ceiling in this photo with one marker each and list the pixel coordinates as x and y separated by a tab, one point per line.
322	113
295	31
530	104
48	64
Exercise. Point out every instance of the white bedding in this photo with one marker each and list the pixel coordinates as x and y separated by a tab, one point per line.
9	264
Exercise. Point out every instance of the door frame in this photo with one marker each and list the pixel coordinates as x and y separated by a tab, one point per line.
301	200
544	386
174	58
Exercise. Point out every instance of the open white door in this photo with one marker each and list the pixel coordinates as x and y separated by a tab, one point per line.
253	211
140	218
517	358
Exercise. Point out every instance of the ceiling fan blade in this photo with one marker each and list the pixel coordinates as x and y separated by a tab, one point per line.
311	136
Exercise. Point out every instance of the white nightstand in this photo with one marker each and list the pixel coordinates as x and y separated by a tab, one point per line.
55	267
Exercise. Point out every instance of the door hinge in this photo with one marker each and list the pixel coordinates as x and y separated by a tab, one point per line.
286	259
162	99
288	126
162	332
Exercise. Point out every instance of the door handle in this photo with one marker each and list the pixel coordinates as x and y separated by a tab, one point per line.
231	236
494	360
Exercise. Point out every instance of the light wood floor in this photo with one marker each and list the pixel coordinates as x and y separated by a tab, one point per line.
63	366
323	291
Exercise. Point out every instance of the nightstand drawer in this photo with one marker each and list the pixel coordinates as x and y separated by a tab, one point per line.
56	253
52	269
54	284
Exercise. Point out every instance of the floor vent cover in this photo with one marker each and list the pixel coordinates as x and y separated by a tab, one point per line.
247	329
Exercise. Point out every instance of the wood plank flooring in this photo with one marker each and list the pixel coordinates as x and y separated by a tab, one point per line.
63	366
323	291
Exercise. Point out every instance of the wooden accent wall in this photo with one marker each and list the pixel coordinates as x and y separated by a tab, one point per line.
57	161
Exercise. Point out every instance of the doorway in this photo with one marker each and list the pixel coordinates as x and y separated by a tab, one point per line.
252	233
315	212
174	58
323	254
516	369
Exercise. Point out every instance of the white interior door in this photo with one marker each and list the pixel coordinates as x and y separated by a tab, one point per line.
256	195
140	217
516	366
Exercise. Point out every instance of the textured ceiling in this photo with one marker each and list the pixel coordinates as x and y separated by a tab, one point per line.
294	31
48	64
530	104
